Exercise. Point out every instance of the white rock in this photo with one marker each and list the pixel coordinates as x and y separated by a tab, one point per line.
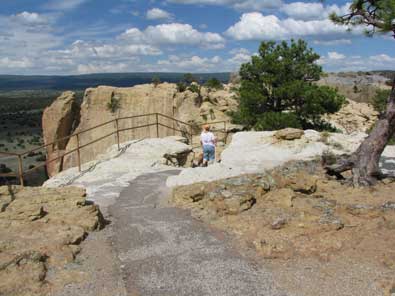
105	178
252	152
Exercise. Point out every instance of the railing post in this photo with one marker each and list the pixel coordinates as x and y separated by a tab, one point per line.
117	127
20	171
157	125
78	153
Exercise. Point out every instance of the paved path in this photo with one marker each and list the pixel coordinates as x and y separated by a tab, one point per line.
164	251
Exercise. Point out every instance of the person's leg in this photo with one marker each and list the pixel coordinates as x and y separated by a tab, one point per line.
206	155
211	157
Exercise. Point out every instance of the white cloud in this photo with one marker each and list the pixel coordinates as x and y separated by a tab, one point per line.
29	18
312	10
334	61
256	26
158	14
190	64
333	55
236	4
333	42
62	5
174	34
382	58
15	63
103	67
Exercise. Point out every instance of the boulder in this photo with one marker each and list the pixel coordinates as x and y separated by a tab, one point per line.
59	121
289	134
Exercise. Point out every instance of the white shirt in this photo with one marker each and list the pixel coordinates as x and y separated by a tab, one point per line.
207	138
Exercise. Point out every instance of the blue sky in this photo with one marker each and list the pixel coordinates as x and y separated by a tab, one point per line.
93	36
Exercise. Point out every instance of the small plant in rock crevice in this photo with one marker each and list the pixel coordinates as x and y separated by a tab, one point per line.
114	104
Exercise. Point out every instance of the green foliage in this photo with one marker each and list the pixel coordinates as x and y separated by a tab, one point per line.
188	78
377	15
114	104
4	169
270	121
380	100
195	88
214	83
181	87
280	81
156	80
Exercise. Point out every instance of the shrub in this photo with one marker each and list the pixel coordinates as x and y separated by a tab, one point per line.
181	87
195	88
380	100
271	121
189	78
4	169
214	83
281	80
114	104
156	80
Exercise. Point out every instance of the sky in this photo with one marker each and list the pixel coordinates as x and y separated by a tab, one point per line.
62	37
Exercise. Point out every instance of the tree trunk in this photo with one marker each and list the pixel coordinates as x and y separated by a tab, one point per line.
364	163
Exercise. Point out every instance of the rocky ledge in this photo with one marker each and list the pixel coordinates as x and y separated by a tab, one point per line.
40	232
295	212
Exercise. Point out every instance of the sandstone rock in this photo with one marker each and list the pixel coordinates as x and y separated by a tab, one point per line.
40	230
289	134
59	121
303	182
194	193
282	197
137	100
353	117
279	223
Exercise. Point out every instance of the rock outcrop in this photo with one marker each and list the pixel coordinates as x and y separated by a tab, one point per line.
295	210
104	103
359	87
353	117
59	121
40	232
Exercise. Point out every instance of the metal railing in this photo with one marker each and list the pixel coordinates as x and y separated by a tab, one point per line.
188	132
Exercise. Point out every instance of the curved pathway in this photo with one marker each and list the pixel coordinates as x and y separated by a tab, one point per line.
164	251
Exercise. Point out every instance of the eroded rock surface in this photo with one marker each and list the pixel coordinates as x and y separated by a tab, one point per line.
297	214
311	214
105	103
353	117
59	121
40	232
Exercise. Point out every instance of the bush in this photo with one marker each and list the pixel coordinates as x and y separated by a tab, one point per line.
156	81
271	121
189	78
214	83
181	87
281	80
195	88
4	169
380	100
114	104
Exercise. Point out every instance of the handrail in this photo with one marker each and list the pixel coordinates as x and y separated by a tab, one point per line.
117	130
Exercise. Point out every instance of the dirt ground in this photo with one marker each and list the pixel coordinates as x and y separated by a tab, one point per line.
320	237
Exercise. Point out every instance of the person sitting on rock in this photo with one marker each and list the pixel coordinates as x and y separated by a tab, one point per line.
208	142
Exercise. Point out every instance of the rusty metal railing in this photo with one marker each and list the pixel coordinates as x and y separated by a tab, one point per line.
188	132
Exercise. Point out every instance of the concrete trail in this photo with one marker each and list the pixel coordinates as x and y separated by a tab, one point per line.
164	251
